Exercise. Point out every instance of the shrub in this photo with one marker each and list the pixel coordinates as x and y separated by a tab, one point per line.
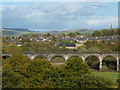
118	81
77	66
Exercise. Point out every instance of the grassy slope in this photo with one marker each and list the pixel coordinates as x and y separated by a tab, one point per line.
113	76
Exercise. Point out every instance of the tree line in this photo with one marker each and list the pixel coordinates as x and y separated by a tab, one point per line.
105	32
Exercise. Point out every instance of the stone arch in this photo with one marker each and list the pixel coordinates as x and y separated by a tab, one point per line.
5	57
93	62
30	56
86	56
40	57
109	65
115	56
53	59
75	56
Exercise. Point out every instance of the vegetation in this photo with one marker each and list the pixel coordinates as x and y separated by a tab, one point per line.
105	32
21	72
39	73
99	47
57	59
93	62
113	76
118	81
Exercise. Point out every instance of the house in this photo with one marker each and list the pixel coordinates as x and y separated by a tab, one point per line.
81	40
79	45
19	44
69	46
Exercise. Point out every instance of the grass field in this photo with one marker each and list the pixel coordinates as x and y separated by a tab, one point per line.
113	76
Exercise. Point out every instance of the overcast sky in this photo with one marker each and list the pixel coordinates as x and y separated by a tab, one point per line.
60	15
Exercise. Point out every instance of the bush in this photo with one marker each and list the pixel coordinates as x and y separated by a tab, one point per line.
77	66
58	59
85	81
118	81
92	81
106	69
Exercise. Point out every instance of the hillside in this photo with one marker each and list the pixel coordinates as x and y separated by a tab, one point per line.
18	31
72	30
13	32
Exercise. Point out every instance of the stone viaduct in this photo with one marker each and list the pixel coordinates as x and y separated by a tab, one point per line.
66	56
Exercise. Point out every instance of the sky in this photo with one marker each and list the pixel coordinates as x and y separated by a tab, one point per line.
56	16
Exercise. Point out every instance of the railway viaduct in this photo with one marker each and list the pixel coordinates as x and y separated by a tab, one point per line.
66	56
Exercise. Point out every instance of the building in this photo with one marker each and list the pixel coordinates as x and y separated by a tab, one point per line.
19	44
69	46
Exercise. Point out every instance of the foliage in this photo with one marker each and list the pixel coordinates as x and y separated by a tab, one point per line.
105	32
17	60
18	71
72	34
99	47
118	81
75	74
11	48
86	81
10	79
76	66
93	62
110	62
57	59
35	67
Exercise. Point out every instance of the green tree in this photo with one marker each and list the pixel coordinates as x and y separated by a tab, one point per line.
72	34
76	66
104	32
11	48
39	74
10	79
96	33
76	74
17	60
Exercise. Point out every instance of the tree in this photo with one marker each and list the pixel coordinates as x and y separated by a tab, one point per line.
76	66
11	48
76	74
35	67
35	35
72	34
93	62
62	35
10	79
17	60
47	35
96	33
104	32
39	74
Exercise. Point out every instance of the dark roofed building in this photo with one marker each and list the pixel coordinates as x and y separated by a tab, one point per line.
69	46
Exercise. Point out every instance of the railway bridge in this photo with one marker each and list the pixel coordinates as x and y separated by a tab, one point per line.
66	56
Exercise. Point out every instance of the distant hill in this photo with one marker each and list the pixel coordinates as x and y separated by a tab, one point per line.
73	30
13	31
19	31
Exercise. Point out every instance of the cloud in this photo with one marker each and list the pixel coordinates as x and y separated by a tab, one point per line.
94	22
103	21
54	16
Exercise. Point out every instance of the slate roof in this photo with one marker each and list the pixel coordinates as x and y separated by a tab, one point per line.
67	45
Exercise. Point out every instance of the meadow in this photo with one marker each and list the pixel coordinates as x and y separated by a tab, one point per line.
113	76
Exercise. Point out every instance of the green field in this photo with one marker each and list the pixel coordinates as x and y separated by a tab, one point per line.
113	76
